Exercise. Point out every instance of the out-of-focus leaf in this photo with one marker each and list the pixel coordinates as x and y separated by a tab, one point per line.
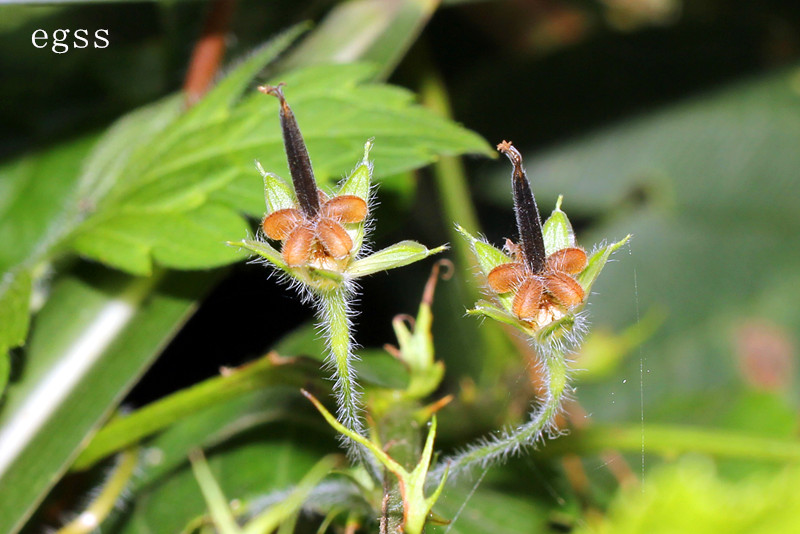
689	497
670	441
488	511
264	460
33	214
15	296
92	341
365	30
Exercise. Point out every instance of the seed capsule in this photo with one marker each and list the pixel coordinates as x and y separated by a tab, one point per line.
279	224
506	277
346	209
305	186
297	247
528	299
564	289
529	224
333	238
567	260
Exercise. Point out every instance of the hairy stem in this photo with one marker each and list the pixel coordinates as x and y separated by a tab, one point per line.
336	325
513	441
89	520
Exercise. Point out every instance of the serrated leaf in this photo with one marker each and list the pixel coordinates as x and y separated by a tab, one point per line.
208	162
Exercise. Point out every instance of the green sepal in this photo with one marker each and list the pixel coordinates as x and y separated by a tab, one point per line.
487	255
318	280
278	194
557	230
596	263
358	184
360	180
488	258
397	255
487	309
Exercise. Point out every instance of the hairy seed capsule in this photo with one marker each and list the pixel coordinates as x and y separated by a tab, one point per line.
528	299
564	289
346	209
334	239
506	277
279	224
567	260
297	247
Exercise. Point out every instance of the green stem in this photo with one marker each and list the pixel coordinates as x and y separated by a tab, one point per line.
513	441
90	519
125	431
335	313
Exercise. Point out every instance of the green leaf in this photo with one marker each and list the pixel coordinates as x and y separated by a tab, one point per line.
688	496
269	519
15	297
365	30
189	239
189	172
92	341
393	256
253	461
488	510
33	214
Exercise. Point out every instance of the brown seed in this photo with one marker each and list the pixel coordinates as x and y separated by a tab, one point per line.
528	299
346	209
564	289
298	245
506	277
279	224
567	260
334	239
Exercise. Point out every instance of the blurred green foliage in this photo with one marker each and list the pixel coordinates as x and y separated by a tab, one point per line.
677	122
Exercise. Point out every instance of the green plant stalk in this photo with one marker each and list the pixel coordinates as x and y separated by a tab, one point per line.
416	506
457	205
215	500
90	519
336	324
511	442
670	441
125	431
284	513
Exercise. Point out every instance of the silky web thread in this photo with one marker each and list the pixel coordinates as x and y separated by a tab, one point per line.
641	361
467	498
